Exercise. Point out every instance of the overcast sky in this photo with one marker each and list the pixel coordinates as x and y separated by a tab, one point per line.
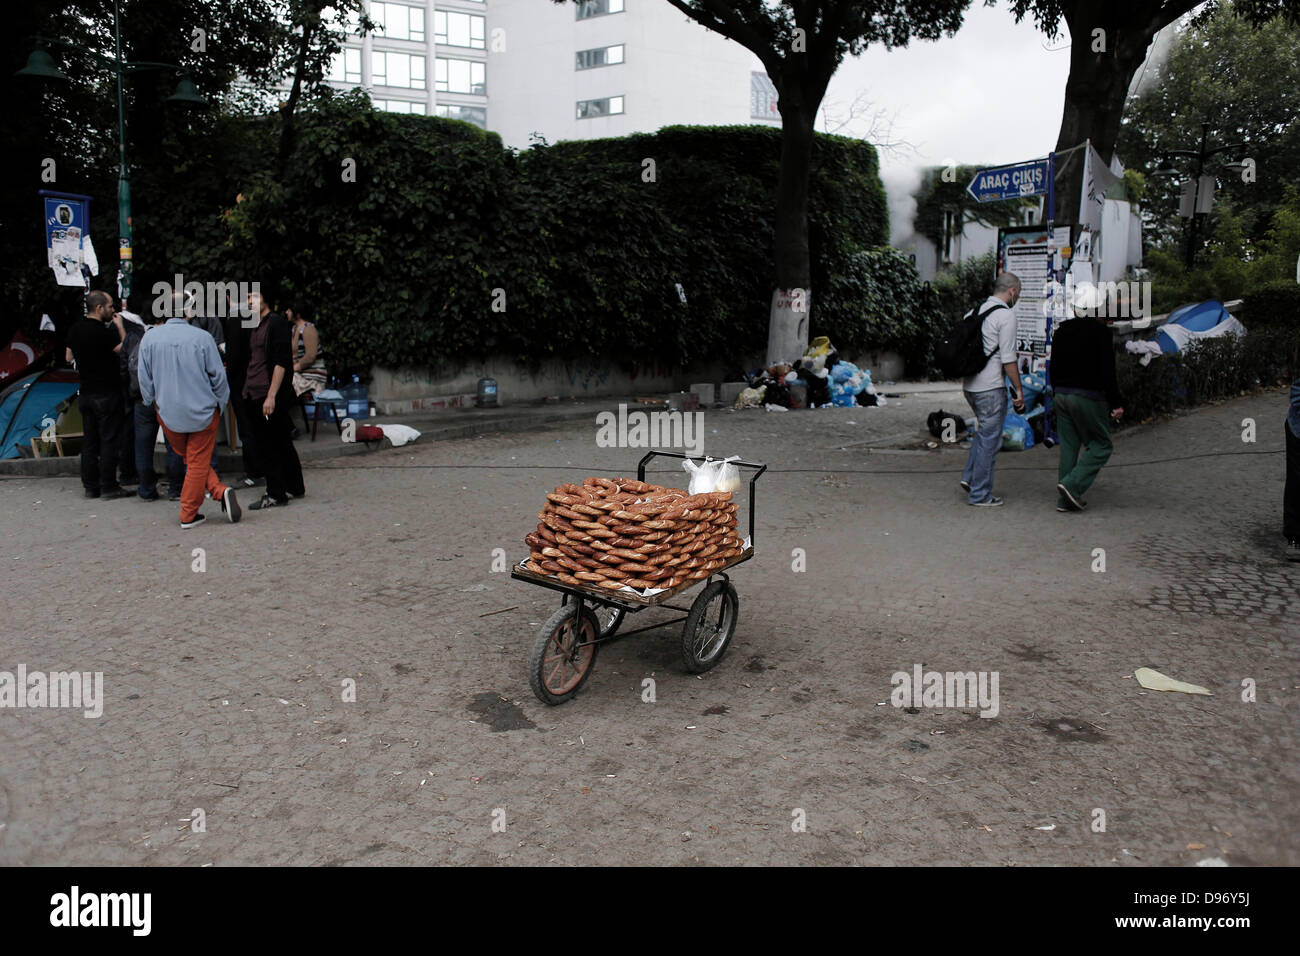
991	94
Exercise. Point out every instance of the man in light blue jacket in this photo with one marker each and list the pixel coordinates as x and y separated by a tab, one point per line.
180	370
1291	496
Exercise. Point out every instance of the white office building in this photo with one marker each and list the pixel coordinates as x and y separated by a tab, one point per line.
561	71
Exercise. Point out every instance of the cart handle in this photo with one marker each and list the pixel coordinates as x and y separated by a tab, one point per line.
759	469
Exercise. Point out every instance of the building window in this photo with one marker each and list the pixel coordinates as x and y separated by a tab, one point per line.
402	70
598	8
460	76
470	114
459	29
345	67
608	106
762	97
399	106
398	21
602	56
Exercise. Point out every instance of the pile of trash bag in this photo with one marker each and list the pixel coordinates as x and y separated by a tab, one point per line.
818	379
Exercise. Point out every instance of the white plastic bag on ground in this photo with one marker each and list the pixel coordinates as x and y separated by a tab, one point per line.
399	434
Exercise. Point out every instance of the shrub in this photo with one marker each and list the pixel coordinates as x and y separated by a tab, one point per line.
1210	370
1273	304
878	301
587	249
965	284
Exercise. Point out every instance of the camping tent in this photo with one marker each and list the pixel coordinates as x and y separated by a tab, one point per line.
1204	320
29	402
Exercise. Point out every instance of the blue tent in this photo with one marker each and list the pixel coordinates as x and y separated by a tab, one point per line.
28	402
1199	317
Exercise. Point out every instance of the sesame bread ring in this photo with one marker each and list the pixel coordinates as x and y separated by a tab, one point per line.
651	548
609	557
552	552
532	540
630	516
633	568
589	576
698	575
579	548
640	584
583	512
585	524
627	554
560	499
633	485
569	564
600	545
611	585
708	550
545	533
661	559
567	578
657	575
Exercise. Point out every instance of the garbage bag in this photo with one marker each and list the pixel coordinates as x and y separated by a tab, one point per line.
1017	433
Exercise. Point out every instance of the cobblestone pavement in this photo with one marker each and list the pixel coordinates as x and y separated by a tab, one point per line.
224	689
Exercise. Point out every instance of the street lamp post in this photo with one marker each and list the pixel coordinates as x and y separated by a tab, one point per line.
1200	155
40	64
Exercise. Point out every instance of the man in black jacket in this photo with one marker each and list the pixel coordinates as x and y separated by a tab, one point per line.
94	343
1085	399
237	336
268	396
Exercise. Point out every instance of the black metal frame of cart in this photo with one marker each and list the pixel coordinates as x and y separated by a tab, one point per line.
564	653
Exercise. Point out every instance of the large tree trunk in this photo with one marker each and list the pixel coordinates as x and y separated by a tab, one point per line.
1101	69
787	335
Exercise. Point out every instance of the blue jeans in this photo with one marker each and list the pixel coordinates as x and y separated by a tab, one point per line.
146	437
991	409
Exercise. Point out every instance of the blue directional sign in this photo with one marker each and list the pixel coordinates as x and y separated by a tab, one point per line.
1009	182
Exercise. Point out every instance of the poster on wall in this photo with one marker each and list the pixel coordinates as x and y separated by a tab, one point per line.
67	240
1023	250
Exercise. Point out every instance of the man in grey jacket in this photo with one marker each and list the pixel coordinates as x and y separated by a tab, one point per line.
180	368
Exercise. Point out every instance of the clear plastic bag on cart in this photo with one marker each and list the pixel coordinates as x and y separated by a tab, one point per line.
704	476
728	475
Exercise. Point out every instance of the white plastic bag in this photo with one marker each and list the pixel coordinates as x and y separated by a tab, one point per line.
728	475
704	476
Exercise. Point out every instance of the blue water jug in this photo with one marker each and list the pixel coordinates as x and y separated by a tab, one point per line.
357	398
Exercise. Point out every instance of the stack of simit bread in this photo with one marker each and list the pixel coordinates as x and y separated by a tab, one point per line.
620	532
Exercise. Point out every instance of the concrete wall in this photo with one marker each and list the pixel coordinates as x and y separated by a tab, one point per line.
399	391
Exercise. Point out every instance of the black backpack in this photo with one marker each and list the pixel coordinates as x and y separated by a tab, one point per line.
961	353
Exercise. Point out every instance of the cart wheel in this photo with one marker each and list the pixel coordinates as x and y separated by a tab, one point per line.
608	618
559	666
709	626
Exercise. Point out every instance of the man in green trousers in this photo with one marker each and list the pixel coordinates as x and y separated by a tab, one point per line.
1085	397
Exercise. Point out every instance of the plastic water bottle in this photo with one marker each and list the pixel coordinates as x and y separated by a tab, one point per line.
357	398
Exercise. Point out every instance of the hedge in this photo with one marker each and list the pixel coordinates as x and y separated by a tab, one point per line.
1272	304
450	247
1209	370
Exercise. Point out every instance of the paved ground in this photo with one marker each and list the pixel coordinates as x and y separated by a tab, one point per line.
223	688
